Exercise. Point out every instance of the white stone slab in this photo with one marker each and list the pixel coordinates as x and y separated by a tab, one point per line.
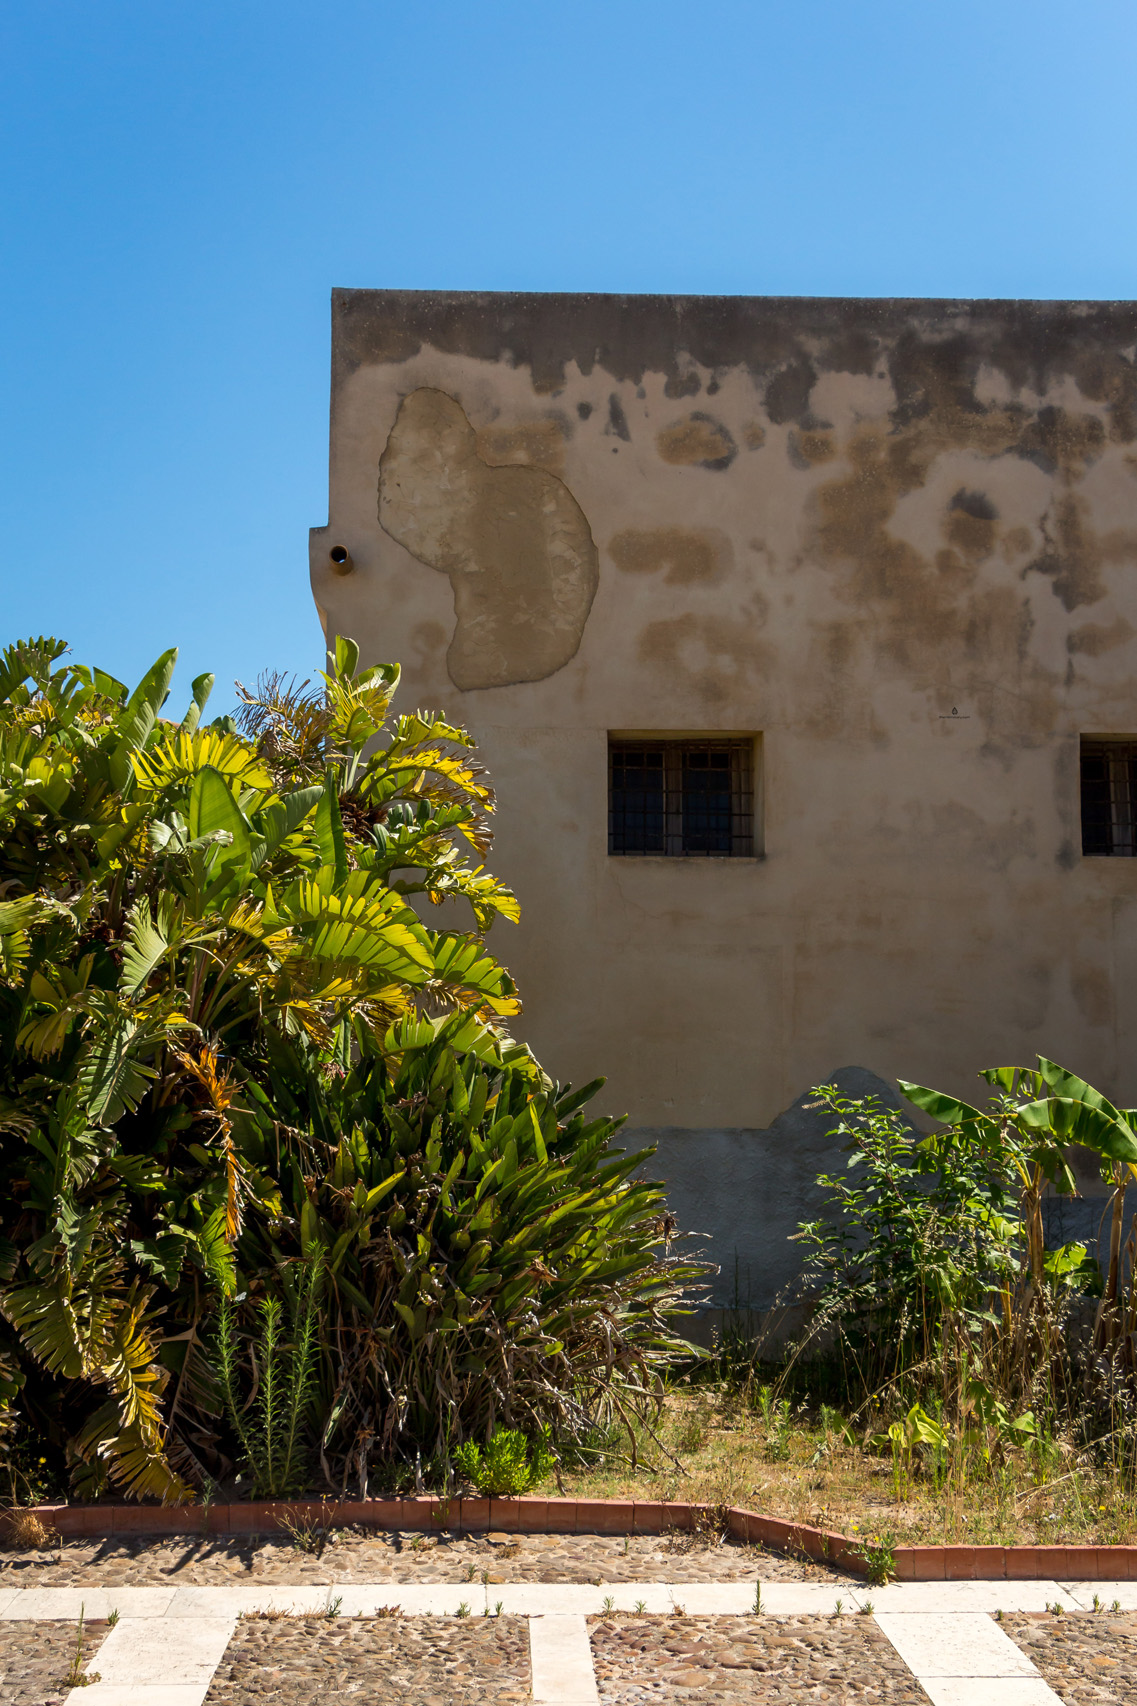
989	1691
124	1694
7	1595
1083	1593
967	1596
415	1599
560	1655
779	1599
48	1603
177	1651
242	1598
953	1644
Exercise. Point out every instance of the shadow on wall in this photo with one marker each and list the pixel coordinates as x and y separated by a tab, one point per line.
745	1190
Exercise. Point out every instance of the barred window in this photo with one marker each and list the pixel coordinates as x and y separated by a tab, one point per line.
1109	796
681	798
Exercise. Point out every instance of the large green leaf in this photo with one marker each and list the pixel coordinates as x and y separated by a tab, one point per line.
200	690
213	810
146	945
140	715
329	831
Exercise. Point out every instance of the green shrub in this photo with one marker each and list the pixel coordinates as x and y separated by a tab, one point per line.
490	1259
505	1467
231	1050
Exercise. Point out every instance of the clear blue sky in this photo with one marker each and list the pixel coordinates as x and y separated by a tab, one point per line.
183	182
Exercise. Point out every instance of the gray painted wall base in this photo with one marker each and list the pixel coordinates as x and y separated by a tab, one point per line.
744	1191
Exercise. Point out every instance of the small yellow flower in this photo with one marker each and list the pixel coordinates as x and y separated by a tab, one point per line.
41	1460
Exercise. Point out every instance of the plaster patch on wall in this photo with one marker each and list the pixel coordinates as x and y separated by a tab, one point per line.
532	444
514	541
686	556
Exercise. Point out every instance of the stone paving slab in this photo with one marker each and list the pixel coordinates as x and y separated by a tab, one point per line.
537	1599
393	1661
1084	1594
36	1657
92	1601
989	1691
749	1661
356	1599
371	1556
1089	1659
953	1644
178	1652
138	1694
561	1662
999	1595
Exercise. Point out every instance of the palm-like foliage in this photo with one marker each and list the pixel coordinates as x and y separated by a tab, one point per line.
486	1257
245	1090
187	912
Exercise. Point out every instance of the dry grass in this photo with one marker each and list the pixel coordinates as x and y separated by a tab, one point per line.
24	1531
716	1450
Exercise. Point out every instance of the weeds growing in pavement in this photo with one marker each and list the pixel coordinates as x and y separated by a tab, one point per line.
76	1676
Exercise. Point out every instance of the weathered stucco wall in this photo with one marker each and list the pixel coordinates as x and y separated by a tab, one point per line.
896	540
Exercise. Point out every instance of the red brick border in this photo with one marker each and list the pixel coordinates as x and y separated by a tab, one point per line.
595	1516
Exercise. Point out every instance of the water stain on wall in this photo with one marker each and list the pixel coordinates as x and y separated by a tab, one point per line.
808	449
685	556
714	656
697	441
514	541
924	607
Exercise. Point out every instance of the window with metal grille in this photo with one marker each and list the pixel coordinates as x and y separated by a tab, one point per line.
1109	796
681	798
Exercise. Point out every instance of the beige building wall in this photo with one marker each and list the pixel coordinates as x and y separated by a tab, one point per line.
894	542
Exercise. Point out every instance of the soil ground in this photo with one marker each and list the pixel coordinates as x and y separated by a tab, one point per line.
714	1448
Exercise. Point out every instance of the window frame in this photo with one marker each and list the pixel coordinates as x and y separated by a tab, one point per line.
744	749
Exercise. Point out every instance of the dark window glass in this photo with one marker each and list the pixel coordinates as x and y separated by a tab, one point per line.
707	810
681	798
635	818
1109	793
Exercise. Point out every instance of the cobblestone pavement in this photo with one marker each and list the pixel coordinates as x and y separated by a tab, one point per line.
748	1661
1088	1657
380	1557
36	1657
421	1661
